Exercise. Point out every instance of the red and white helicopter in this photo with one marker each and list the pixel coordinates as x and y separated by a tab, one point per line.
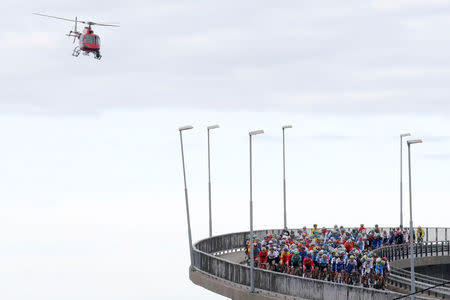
88	41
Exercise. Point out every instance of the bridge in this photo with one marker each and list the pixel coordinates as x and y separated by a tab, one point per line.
217	266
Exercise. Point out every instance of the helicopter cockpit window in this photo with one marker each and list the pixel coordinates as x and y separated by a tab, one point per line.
90	39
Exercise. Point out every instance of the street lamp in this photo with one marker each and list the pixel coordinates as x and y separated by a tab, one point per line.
252	258
401	176
284	175
209	179
411	228
181	129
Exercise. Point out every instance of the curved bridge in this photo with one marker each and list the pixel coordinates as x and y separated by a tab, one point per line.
426	254
216	267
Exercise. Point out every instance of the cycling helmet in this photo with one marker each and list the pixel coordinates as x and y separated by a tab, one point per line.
352	257
378	260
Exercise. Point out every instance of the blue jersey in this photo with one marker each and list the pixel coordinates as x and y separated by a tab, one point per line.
351	266
340	264
303	254
379	269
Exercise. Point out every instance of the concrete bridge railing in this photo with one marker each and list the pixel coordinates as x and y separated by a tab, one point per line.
425	249
426	253
206	260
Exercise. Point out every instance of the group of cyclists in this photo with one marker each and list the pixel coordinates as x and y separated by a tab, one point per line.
338	255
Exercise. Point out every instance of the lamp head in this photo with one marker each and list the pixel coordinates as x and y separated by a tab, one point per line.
187	127
256	132
405	134
286	126
418	141
212	127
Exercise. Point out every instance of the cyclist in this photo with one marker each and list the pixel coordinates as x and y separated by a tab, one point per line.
351	270
420	234
315	230
263	256
366	272
379	272
284	258
323	266
296	263
272	258
340	266
333	266
308	266
362	228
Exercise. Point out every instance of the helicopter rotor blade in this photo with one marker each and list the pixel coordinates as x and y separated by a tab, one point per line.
102	24
70	20
78	21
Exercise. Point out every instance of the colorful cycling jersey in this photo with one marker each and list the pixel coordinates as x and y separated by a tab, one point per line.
333	264
387	267
352	265
323	262
284	257
340	264
303	254
370	260
296	260
308	263
318	258
273	254
366	269
420	233
256	252
263	255
379	269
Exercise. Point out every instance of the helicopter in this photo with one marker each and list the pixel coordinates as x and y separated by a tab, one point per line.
88	41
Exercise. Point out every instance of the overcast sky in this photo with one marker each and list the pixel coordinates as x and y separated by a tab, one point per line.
92	200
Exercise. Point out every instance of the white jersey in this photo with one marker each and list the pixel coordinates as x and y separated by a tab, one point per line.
273	255
366	270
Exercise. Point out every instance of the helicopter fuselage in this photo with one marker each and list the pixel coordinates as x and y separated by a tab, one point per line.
88	41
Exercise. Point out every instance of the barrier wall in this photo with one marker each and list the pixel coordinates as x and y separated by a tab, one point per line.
205	259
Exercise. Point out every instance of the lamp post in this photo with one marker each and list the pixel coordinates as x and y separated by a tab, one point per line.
284	175
209	179
252	259
411	228
401	175
181	129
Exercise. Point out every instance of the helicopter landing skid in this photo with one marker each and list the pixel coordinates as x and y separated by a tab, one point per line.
76	51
